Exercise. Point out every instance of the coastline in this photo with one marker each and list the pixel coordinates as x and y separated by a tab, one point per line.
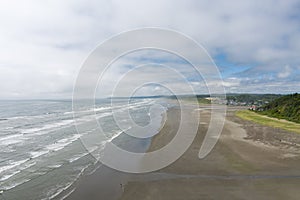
243	165
104	182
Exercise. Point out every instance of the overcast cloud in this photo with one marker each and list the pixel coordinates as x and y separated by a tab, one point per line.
255	43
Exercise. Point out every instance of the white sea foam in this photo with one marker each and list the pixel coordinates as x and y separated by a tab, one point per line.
15	184
12	139
58	190
68	194
35	154
90	110
55	166
58	145
10	142
76	157
7	176
12	164
61	188
119	107
14	136
101	108
27	117
68	112
62	143
102	115
15	167
13	173
117	134
47	127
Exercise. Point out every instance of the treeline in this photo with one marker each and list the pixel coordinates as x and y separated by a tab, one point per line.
251	99
286	107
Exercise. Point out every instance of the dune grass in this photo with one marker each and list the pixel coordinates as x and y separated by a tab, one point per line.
268	121
201	101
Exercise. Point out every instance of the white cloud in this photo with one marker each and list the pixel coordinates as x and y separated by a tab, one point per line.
285	73
44	43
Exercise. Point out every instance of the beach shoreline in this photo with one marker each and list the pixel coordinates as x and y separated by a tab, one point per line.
243	165
104	182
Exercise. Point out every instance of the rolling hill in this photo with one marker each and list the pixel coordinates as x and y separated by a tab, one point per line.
286	107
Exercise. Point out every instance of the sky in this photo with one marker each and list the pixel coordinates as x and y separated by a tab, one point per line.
43	44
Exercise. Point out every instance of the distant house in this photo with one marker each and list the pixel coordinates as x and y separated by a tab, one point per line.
253	107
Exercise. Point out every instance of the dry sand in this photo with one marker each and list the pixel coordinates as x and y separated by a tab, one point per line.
250	161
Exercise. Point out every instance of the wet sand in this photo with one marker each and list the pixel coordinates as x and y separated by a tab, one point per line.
249	161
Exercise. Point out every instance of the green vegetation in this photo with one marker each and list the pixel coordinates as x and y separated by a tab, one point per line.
265	120
251	99
200	100
203	101
286	107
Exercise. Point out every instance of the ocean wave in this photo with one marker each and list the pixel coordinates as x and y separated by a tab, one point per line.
114	107
58	190
35	154
12	139
12	164
63	187
48	127
60	144
15	184
55	166
56	146
27	117
13	173
7	176
7	137
68	194
117	134
77	157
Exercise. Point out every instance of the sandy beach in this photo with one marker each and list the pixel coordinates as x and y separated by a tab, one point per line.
249	161
150	100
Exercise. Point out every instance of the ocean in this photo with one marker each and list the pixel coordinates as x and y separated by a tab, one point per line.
42	154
